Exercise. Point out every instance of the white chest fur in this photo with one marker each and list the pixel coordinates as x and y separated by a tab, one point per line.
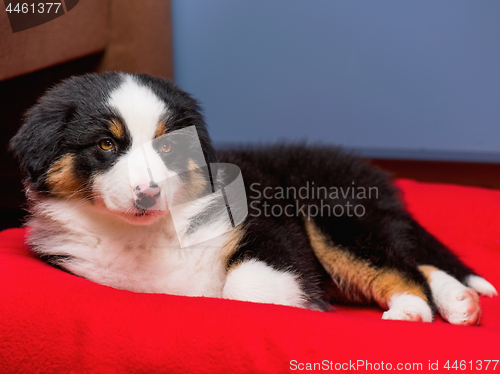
137	258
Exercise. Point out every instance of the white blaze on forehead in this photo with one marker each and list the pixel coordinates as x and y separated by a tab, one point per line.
139	107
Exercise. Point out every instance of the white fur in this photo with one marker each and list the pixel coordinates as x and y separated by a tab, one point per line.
481	285
217	225
112	252
408	308
255	281
139	107
455	302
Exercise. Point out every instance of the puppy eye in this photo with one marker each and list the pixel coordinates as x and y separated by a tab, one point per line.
166	147
106	144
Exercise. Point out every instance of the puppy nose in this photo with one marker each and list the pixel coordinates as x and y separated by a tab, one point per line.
146	195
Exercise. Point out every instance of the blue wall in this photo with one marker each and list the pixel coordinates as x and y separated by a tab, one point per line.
394	78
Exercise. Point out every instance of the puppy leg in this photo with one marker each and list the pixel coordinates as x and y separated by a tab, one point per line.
405	298
256	281
402	292
431	252
455	302
454	285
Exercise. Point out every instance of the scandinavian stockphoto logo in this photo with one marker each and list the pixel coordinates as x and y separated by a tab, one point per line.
24	15
310	200
204	200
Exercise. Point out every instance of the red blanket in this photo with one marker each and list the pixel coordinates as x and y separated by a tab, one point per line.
54	322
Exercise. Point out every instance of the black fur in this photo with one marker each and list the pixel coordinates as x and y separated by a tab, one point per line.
385	236
67	119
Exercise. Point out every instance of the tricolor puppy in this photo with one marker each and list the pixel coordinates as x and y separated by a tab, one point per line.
126	189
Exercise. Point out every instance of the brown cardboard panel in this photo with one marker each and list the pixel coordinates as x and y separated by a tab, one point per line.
141	38
80	32
70	4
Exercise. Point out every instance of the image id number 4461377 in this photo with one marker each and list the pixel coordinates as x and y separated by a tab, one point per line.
33	8
471	365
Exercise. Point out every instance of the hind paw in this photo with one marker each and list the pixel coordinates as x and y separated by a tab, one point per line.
481	285
456	303
408	308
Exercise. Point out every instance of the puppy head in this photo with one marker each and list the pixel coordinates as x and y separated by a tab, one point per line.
127	144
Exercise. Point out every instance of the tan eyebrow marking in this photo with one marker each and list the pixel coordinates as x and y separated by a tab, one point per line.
198	181
116	128
161	129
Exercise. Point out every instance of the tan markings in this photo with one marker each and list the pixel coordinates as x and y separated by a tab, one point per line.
390	283
357	279
427	271
61	178
116	128
231	245
198	181
161	129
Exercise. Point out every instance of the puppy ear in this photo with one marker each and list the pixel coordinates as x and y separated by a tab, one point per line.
38	143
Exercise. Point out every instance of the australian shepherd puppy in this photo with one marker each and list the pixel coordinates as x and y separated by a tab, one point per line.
126	189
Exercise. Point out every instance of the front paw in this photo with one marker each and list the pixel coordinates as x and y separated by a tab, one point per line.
407	307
